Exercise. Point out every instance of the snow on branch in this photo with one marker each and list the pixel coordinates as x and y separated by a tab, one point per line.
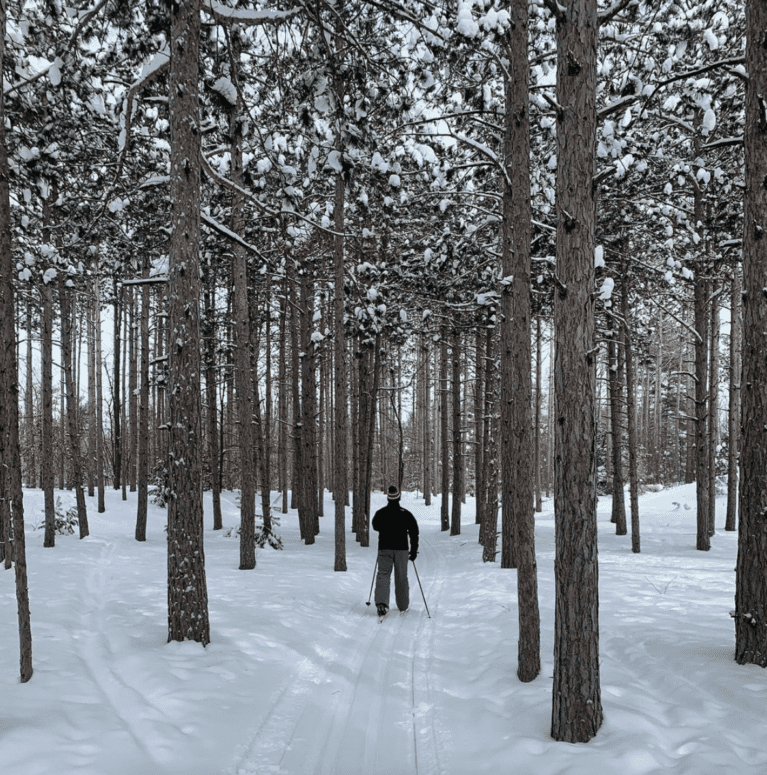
610	13
149	72
617	105
249	17
229	234
725	141
704	69
54	68
486	151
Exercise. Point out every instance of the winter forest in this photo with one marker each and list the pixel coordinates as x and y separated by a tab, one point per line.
261	260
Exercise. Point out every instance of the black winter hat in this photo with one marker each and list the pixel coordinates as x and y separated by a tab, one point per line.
393	494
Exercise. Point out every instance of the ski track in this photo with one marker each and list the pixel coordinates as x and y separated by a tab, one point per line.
369	709
128	705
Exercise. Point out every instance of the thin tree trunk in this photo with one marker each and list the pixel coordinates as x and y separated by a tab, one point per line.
480	475
308	407
537	428
340	492
283	406
116	385
244	388
444	438
614	382
92	429
517	463
46	385
143	417
426	420
211	397
132	396
489	527
100	484
10	457
713	410
65	301
29	408
455	515
630	402
703	542
733	417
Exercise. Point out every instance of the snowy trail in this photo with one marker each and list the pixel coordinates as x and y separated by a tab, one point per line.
368	707
301	679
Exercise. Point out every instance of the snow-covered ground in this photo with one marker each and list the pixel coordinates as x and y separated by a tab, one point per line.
301	679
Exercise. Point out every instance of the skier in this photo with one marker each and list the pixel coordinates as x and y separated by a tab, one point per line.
394	525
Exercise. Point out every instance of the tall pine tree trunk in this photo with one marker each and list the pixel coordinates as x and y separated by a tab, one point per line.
577	705
517	471
10	457
751	570
187	585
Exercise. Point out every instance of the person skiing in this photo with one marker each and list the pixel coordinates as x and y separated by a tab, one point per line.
394	525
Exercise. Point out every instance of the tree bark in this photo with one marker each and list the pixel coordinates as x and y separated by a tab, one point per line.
614	382
243	378
628	349
480	475
99	463
455	514
444	438
577	706
211	394
340	397
751	570
489	528
733	416
537	428
187	585
713	411
518	472
29	405
117	445
10	457
703	541
46	389
65	300
142	473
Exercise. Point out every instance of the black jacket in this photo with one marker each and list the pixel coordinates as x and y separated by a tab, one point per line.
394	524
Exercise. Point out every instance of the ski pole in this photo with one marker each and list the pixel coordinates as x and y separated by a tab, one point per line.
372	582
422	594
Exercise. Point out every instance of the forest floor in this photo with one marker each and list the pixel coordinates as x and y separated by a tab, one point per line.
301	679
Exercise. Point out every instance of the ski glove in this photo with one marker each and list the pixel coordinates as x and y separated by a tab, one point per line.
412	556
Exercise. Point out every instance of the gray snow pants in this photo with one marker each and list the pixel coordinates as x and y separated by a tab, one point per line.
396	558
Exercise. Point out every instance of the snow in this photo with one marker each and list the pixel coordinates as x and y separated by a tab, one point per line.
226	89
301	679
